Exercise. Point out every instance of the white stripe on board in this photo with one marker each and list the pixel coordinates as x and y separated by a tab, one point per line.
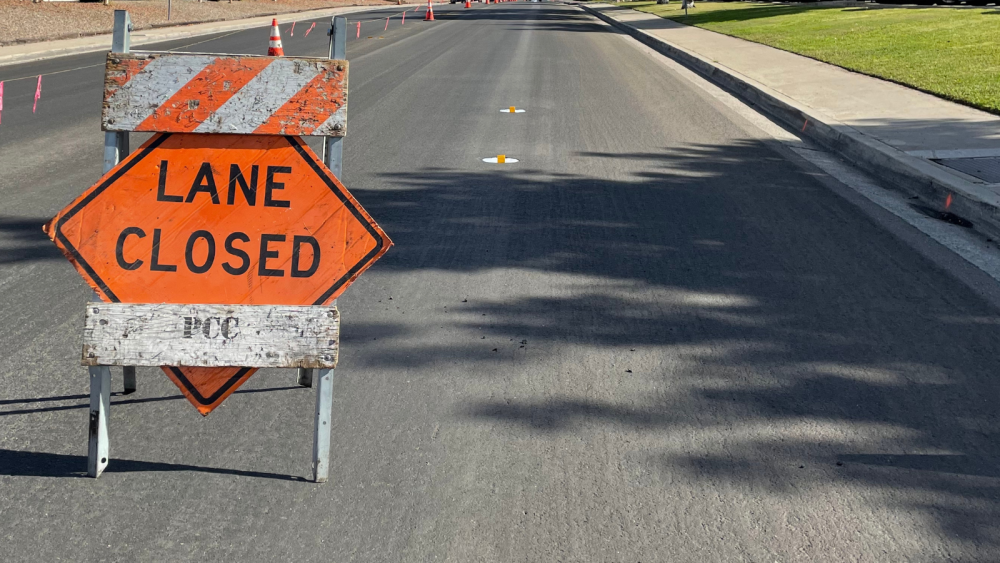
257	101
338	117
138	98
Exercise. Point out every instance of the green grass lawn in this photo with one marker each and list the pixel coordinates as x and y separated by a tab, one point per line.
954	53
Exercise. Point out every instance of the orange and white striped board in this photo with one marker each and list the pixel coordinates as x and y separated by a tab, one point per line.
234	94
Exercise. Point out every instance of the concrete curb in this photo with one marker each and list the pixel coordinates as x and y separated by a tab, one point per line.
92	43
910	174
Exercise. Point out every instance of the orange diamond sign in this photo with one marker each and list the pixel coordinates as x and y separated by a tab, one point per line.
218	219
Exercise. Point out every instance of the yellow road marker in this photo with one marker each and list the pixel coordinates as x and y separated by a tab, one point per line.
501	159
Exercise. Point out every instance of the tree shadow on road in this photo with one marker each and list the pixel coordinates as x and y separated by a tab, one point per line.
39	464
132	401
782	307
22	240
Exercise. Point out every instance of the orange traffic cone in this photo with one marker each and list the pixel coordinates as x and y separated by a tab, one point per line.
274	46
429	14
468	3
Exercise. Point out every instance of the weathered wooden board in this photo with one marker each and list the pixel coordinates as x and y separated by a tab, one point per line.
260	336
240	94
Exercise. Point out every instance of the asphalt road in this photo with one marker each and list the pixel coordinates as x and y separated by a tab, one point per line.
657	337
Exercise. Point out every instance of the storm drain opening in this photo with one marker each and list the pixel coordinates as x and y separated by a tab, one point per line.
986	169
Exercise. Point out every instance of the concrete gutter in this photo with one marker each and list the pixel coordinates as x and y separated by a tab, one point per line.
908	173
31	52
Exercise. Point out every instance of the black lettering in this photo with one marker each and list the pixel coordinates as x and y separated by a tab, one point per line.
270	185
204	182
249	190
265	253
230	327
237	253
189	252
161	188
155	261
206	327
296	243
191	325
119	248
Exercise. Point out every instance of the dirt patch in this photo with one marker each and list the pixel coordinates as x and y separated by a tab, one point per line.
22	21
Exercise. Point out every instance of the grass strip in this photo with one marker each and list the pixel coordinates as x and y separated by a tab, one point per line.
950	52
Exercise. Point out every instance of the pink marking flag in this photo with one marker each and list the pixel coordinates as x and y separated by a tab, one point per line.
38	93
404	18
359	31
310	29
1	98
291	32
386	24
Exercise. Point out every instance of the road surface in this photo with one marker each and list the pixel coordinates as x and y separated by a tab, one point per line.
659	336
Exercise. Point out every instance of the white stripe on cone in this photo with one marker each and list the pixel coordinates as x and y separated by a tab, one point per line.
274	46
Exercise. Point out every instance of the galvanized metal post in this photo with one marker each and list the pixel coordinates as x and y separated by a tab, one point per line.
333	152
100	402
324	414
116	143
333	147
333	157
115	147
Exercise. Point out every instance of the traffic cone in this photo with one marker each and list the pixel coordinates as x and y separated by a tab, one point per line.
468	3
429	14
274	46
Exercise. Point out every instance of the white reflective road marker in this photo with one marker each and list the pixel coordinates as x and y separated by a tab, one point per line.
511	109
500	159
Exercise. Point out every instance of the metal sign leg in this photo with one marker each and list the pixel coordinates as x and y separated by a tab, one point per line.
321	436
115	147
305	377
100	403
333	147
128	374
116	144
111	152
333	156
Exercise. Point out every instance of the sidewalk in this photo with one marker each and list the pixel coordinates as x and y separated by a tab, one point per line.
901	135
30	52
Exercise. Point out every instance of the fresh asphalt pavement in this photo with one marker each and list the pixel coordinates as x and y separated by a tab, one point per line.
657	337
